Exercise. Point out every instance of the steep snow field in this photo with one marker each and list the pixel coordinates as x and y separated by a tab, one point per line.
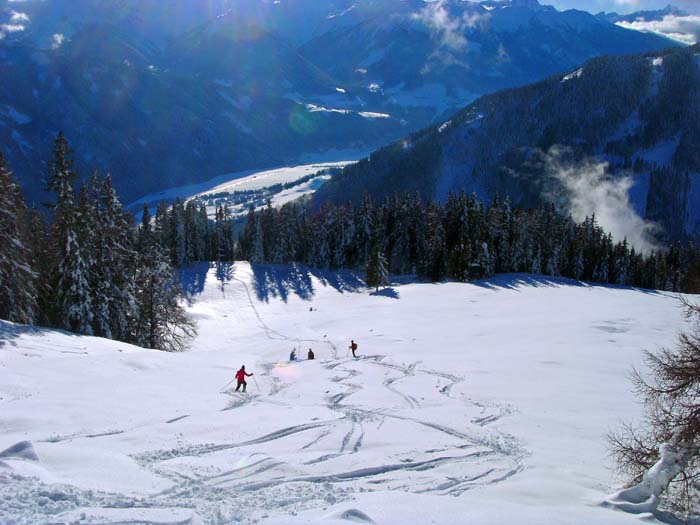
470	403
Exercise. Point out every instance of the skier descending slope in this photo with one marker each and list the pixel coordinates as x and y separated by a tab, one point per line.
353	347
240	377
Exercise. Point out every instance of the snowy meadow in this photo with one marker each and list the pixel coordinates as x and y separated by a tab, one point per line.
468	403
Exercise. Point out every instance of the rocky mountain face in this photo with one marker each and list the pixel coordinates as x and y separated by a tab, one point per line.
633	121
169	92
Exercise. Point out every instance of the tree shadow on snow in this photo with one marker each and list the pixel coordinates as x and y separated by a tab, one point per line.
279	281
389	292
516	281
224	274
193	278
671	519
341	280
9	332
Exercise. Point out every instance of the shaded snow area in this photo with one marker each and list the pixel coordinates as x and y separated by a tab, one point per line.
468	403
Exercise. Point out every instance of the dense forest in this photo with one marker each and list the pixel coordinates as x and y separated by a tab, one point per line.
644	125
462	239
92	270
87	270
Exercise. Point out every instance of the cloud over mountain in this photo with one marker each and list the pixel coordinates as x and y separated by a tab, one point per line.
684	28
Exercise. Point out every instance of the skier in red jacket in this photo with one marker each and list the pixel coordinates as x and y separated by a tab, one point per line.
240	377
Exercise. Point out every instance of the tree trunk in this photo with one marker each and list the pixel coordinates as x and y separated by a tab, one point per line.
646	495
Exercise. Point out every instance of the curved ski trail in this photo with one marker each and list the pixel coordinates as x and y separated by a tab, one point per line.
382	425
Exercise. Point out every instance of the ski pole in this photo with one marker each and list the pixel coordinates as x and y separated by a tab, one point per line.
227	384
256	383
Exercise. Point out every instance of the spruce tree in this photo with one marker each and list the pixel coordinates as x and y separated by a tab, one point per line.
74	297
114	264
257	251
434	262
377	273
162	322
70	296
18	294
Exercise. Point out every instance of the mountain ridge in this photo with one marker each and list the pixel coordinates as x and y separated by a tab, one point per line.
129	88
640	125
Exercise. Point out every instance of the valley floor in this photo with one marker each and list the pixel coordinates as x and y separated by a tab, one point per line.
469	403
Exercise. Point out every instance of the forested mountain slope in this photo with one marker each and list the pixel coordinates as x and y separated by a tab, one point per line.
640	114
167	93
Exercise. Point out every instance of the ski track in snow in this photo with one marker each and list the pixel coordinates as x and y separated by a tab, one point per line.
330	466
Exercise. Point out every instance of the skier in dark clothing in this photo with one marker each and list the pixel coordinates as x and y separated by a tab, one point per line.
293	355
353	347
240	377
311	355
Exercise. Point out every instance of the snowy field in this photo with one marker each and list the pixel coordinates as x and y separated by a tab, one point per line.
244	181
481	403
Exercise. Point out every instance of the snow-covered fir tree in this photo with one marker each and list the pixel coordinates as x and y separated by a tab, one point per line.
162	322
377	271
114	259
18	281
68	288
88	271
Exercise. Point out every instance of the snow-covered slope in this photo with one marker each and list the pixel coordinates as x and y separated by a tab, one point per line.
482	403
227	188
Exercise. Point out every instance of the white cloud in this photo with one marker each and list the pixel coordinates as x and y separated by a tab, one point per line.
10	28
16	23
585	188
449	29
16	17
58	40
627	5
682	28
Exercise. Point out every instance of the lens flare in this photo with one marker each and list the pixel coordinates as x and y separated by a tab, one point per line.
301	121
286	371
243	462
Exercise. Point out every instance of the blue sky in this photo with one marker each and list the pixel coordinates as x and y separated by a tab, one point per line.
623	6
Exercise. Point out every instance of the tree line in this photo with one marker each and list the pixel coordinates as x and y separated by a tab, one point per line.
87	269
462	239
91	270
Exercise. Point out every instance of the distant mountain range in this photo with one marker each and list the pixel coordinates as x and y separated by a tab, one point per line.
169	92
646	16
640	114
671	22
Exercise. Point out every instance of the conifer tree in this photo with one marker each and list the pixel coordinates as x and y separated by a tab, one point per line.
74	295
69	290
377	273
18	294
162	322
434	262
114	260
